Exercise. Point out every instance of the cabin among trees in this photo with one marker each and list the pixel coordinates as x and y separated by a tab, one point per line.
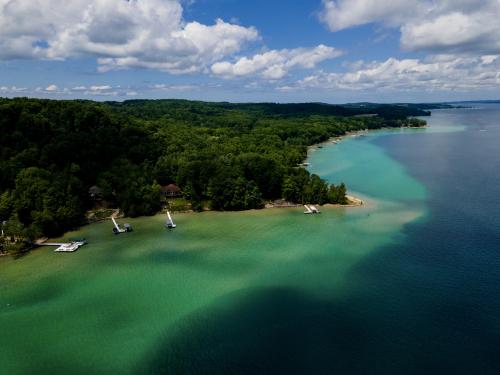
171	191
95	193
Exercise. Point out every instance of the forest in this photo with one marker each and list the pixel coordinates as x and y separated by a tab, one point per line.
233	156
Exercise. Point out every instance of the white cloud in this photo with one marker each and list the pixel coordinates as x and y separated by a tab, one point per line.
343	14
100	88
166	87
275	64
12	89
51	88
455	26
121	34
439	73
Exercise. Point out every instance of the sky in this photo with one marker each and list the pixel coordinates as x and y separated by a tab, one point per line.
333	51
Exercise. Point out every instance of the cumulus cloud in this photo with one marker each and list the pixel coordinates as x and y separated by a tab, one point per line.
439	73
100	88
166	87
12	89
343	14
454	26
51	88
120	33
275	64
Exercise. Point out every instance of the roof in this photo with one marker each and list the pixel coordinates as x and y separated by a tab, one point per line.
171	188
96	190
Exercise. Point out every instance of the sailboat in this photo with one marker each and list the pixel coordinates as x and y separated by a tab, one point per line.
170	223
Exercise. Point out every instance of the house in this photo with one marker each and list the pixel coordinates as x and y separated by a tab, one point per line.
95	193
171	191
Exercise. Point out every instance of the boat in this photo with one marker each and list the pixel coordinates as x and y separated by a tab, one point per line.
78	239
170	223
70	246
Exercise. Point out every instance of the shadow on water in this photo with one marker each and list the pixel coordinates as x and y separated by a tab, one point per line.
283	331
428	306
268	331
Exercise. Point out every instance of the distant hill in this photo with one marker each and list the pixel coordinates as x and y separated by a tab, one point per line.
157	108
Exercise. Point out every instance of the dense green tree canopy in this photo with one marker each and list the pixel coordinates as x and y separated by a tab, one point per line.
235	156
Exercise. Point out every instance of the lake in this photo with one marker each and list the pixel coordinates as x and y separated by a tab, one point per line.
409	283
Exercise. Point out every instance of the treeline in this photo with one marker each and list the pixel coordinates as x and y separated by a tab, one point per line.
234	156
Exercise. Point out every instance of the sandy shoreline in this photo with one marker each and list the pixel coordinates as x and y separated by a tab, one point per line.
352	202
355	133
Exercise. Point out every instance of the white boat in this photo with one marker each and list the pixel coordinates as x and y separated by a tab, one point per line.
69	247
170	223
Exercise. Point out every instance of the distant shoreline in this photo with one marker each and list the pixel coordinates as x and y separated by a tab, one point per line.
354	133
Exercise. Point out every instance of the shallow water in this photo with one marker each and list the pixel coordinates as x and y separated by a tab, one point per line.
409	283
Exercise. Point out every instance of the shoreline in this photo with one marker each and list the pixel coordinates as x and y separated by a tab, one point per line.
354	133
352	201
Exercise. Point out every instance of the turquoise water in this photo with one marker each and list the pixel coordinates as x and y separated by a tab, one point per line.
409	283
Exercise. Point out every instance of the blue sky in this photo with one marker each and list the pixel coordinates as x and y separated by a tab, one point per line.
285	51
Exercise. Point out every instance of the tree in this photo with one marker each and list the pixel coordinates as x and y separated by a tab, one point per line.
337	194
5	205
292	192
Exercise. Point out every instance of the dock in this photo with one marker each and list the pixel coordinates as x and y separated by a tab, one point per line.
170	223
117	229
310	209
65	247
314	209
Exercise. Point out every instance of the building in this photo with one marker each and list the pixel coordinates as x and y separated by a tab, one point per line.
95	193
171	191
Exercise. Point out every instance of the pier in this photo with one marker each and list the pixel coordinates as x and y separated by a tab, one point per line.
117	229
170	223
310	209
65	247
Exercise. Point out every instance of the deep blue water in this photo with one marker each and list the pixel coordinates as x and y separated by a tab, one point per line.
438	294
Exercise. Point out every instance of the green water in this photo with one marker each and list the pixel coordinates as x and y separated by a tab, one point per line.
122	304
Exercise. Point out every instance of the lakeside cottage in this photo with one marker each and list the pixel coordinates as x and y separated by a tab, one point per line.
95	193
171	191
